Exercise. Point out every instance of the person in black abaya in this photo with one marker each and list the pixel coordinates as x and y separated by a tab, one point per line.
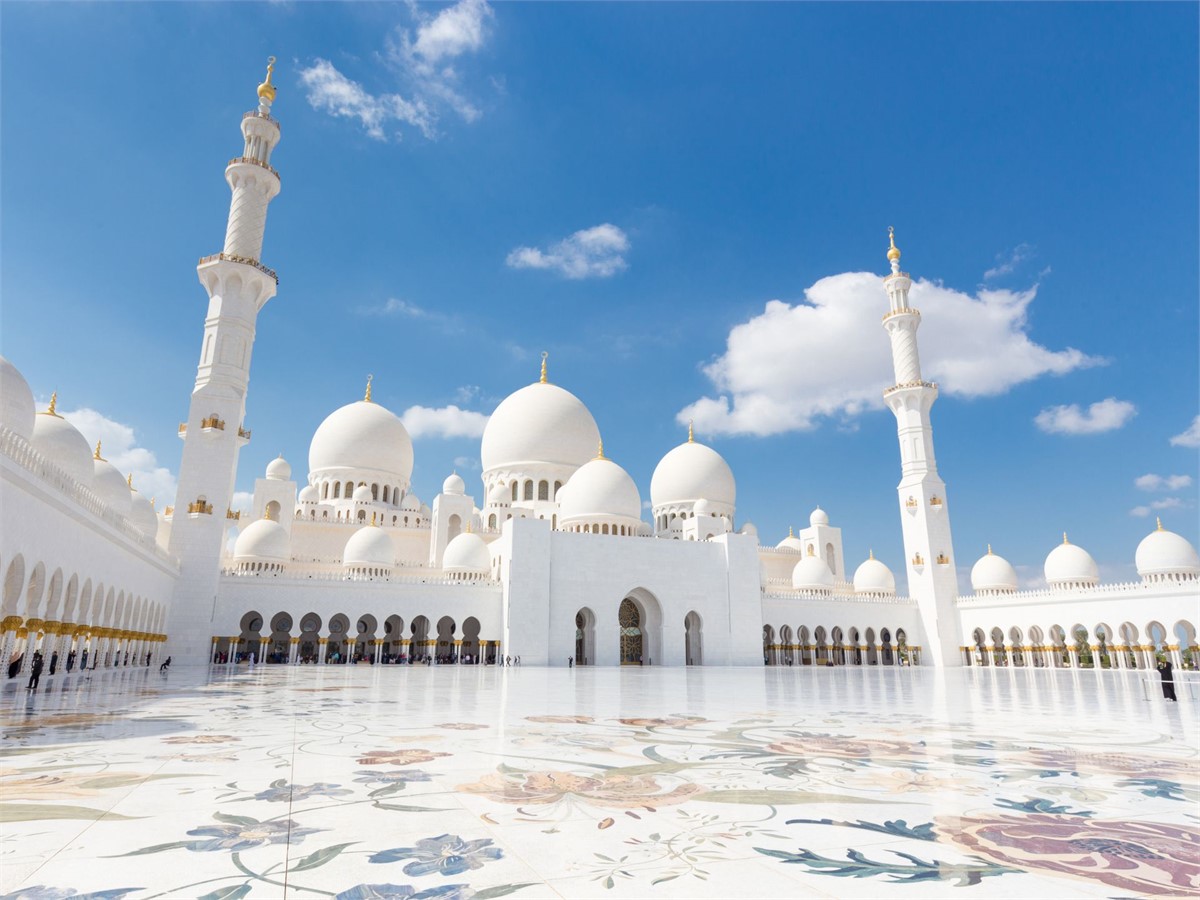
1167	673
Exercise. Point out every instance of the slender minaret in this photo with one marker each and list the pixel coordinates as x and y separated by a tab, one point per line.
924	510
238	286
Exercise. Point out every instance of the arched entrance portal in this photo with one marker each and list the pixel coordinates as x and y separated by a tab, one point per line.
629	617
639	620
692	645
585	637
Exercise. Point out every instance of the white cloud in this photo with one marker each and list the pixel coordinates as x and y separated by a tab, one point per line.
395	307
1006	263
467	463
1104	415
594	252
828	356
1190	437
1156	505
242	501
446	421
119	447
1151	482
422	60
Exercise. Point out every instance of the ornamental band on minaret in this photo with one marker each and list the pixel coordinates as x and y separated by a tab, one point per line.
238	286
924	511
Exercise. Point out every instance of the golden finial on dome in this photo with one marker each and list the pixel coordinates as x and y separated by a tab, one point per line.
1158	519
894	251
989	549
129	481
372	518
871	553
600	450
1065	541
468	528
97	455
152	499
52	409
367	395
691	431
543	380
266	90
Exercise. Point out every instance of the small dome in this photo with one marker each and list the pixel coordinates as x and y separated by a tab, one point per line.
425	511
262	540
703	508
993	573
498	496
873	577
540	423
110	485
467	553
818	517
59	441
310	494
362	494
17	411
362	437
278	469
750	528
1069	565
1164	552
454	484
410	503
142	514
812	574
692	471
791	542
369	547
599	488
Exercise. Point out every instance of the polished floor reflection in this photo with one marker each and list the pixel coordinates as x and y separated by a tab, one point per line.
460	783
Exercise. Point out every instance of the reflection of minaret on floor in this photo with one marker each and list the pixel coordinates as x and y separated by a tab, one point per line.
924	512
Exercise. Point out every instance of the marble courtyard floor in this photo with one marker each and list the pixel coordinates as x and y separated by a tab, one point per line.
459	783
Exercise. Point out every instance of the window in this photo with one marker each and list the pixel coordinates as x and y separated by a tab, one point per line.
529	490
543	490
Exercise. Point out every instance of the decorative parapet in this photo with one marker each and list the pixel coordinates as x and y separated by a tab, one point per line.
255	114
234	515
935	500
244	433
244	260
907	311
1089	592
839	597
200	508
212	422
350	579
254	162
909	384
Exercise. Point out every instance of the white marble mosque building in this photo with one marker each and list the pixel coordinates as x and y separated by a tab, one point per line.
551	559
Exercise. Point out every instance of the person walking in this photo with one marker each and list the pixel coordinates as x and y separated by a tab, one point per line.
1167	673
36	677
570	662
166	665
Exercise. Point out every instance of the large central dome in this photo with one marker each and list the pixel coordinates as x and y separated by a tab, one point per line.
362	437
540	423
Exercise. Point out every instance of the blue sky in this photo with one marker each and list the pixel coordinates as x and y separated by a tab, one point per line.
628	186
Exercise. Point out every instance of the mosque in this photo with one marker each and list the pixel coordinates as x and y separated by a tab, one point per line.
552	559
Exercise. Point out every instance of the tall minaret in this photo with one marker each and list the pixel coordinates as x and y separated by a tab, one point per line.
238	286
924	509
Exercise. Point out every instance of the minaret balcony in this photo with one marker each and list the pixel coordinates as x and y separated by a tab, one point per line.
255	114
243	434
200	508
909	384
234	515
212	423
906	311
244	260
250	160
936	502
183	429
943	559
918	561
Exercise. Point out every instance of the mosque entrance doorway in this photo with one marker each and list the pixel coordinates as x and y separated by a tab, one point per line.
692	646
639	621
585	637
630	620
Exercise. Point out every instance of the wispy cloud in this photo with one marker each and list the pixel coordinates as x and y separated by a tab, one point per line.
445	422
1189	437
1006	263
1151	482
596	252
120	447
1105	415
1156	506
422	58
467	463
838	361
395	307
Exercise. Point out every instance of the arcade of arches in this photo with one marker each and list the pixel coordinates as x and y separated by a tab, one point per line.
1081	647
837	647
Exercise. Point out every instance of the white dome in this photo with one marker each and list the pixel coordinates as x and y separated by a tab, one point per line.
142	513
791	542
362	494
58	440
812	574
1069	564
425	511
362	436
467	553
818	517
873	577
263	539
310	494
1164	552
993	573
454	484
702	508
540	423
278	469
16	400
688	473
110	485
750	528
369	547
410	503
499	496
599	488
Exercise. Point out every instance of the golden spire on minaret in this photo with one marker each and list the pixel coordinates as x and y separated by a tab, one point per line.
266	90
97	454
367	395
543	380
894	251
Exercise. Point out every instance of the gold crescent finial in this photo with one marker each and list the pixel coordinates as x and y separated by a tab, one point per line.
600	449
367	395
791	533
152	499
97	454
266	90
691	431
871	553
543	380
51	410
893	251
1158	519
1065	541
989	549
129	481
